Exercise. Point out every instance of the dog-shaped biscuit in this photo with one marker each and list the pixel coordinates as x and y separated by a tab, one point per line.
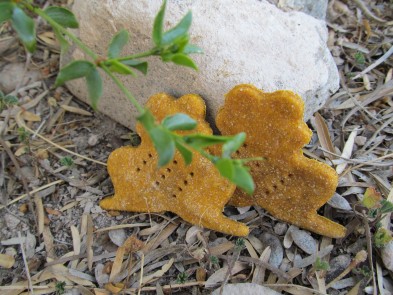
288	185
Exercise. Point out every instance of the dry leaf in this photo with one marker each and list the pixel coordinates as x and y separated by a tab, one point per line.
259	272
158	273
89	241
53	211
76	110
303	240
49	39
6	261
191	235
117	236
324	136
40	213
133	244
117	264
28	116
347	151
220	275
76	240
339	202
114	288
200	274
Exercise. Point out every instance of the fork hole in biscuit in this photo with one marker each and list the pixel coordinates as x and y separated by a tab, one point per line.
180	189
175	162
144	162
274	186
257	164
237	152
157	183
267	192
282	181
138	169
168	169
162	176
150	155
185	182
174	196
290	175
245	145
192	174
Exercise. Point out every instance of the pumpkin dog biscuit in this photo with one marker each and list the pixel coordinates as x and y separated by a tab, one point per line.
197	192
288	185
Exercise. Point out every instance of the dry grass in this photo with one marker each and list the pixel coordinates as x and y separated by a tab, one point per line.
55	238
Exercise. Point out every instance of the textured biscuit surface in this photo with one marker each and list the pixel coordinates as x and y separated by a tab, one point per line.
197	192
288	185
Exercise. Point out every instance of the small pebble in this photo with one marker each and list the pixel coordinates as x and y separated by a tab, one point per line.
280	228
93	140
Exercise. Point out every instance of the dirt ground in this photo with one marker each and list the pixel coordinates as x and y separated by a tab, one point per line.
55	239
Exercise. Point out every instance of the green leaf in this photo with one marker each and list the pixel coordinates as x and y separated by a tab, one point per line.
74	70
387	207
5	11
243	179
372	198
10	100
185	152
138	65
62	16
94	87
25	28
382	237
158	26
147	120
199	141
189	48
179	30
226	168
183	60
237	173
117	44
164	144
233	145
179	122
118	67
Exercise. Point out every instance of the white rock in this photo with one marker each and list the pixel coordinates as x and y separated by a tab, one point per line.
244	41
315	8
245	289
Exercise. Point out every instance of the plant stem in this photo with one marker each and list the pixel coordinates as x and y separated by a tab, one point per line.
153	51
62	30
124	89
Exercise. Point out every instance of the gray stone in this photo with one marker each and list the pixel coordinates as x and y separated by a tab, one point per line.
315	8
12	74
245	289
244	41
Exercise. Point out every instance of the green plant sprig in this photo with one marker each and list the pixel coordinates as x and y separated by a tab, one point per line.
171	46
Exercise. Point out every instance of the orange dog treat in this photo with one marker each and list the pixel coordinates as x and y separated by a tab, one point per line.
288	185
197	192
